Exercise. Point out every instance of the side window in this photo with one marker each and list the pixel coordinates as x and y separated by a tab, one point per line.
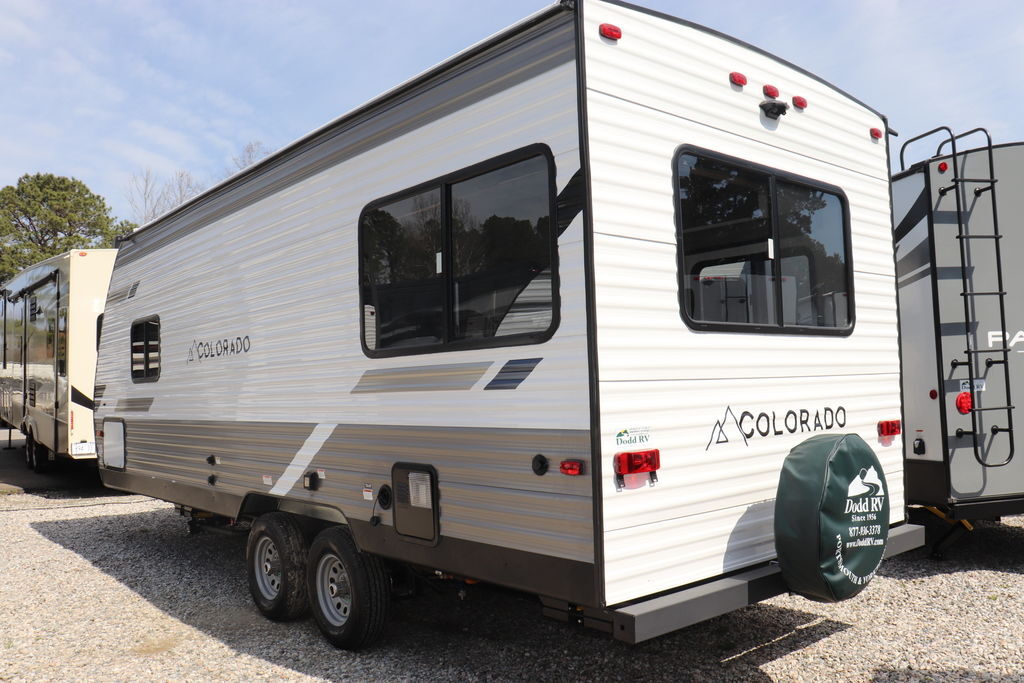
145	341
465	261
759	250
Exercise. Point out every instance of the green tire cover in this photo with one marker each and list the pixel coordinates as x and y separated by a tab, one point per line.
831	517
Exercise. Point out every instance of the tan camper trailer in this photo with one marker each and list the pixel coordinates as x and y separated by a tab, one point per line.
50	314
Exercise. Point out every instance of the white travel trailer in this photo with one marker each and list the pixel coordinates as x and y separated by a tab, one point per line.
549	315
49	328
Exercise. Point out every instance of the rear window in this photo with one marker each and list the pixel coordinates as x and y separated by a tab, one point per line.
760	250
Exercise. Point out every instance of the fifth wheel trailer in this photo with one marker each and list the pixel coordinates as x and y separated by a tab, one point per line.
602	308
957	233
49	316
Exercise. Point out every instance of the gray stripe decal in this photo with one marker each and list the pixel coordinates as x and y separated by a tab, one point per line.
513	373
134	405
454	377
914	259
509	63
302	458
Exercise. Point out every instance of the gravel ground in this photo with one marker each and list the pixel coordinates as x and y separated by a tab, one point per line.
97	586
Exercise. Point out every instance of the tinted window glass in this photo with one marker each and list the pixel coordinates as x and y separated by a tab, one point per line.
501	251
403	288
467	261
757	249
813	253
145	351
726	227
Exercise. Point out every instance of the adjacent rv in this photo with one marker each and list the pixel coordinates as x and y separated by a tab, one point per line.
49	328
962	330
602	308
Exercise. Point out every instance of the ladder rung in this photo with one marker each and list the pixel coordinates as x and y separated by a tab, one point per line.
975	180
982	293
979	410
989	362
987	351
979	237
996	429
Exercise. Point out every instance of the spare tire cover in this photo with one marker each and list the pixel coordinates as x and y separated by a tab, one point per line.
831	517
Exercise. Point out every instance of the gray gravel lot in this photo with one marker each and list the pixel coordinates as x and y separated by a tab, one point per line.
97	586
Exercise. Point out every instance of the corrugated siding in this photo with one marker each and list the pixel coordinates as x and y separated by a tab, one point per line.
282	272
662	86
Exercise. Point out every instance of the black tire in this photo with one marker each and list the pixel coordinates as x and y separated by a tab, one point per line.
349	593
38	456
29	446
275	558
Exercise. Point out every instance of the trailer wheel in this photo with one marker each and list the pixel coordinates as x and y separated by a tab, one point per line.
275	556
348	590
37	456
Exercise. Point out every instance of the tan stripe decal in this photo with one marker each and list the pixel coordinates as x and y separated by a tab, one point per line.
297	467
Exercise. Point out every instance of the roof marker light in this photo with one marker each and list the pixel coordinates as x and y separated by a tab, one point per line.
876	133
736	78
800	102
610	31
943	167
770	91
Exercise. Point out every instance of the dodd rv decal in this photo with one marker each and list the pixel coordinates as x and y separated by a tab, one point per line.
774	423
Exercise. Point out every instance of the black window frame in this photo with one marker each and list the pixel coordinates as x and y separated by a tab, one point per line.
443	184
131	328
774	175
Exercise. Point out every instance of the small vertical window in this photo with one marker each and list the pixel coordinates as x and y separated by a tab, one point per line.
145	351
760	250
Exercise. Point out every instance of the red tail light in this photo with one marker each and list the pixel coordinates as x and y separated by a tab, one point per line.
964	402
800	102
770	91
890	428
610	31
876	133
638	462
573	468
736	78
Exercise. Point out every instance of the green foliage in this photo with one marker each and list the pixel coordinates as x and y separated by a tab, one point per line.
45	215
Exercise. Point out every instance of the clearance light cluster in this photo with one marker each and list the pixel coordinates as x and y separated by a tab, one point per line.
771	106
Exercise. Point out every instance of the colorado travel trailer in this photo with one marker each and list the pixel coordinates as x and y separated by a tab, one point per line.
603	308
49	316
962	329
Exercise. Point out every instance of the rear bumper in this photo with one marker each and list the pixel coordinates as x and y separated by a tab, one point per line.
666	613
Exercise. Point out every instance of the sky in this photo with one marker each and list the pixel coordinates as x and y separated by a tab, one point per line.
104	89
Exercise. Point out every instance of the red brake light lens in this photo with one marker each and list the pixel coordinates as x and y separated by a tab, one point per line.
573	468
610	31
800	102
964	402
736	78
638	462
770	91
890	428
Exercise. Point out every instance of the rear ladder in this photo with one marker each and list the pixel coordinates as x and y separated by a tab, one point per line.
968	243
